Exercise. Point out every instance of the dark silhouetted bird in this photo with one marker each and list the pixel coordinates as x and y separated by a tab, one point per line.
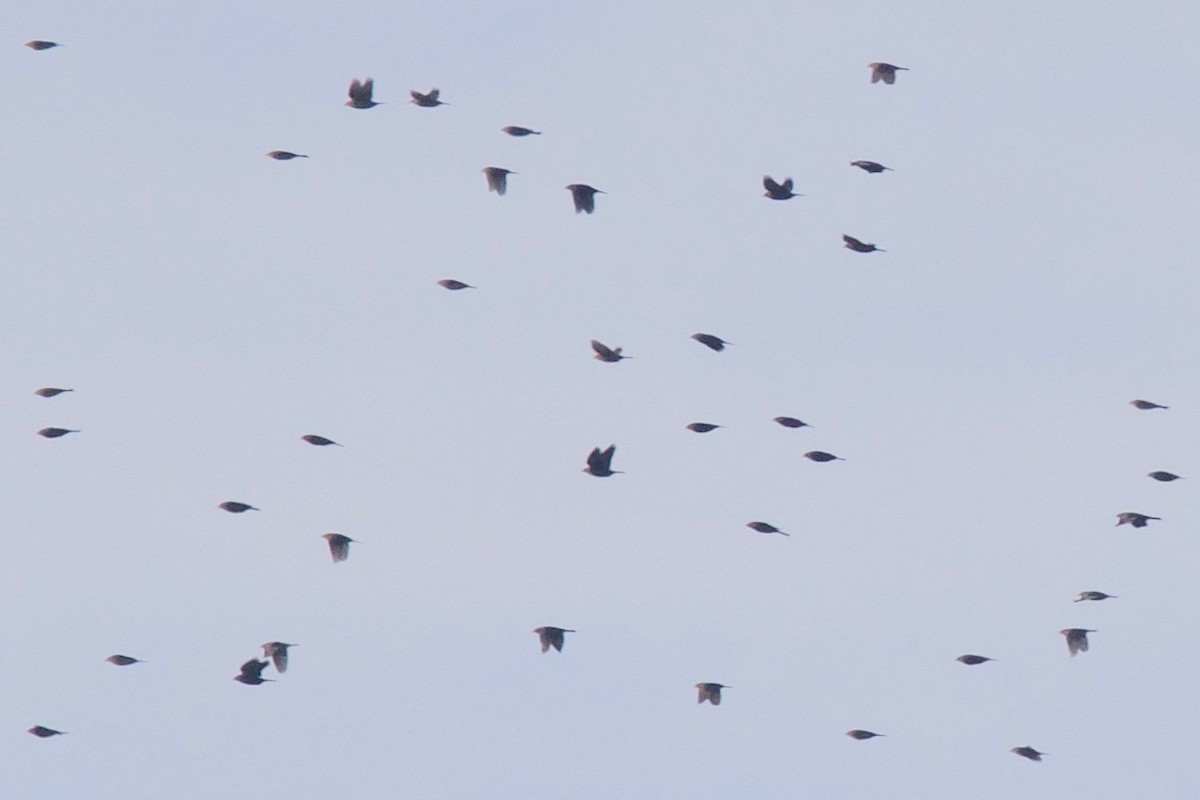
972	660
251	672
584	197
870	166
54	433
551	636
1094	596
517	130
497	179
234	507
792	422
1158	475
710	341
38	44
1077	641
1028	752
881	71
319	441
702	427
607	354
429	100
821	456
710	692
284	155
859	246
51	391
599	462
123	661
1145	405
453	285
42	732
765	527
339	546
779	191
360	94
1135	519
278	653
860	734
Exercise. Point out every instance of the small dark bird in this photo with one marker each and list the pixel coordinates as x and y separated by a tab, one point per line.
339	546
453	285
278	652
284	155
360	94
779	191
251	672
1094	596
1028	752
710	341
54	433
517	130
50	391
42	732
584	197
607	354
234	507
123	661
497	179
427	100
860	247
860	734
710	692
765	527
551	636
702	427
972	660
870	166
38	44
319	441
881	71
1135	519
1076	639
1145	405
599	462
1158	475
792	422
821	456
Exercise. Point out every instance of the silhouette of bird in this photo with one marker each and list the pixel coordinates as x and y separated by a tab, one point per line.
779	191
278	653
50	391
234	507
251	672
1094	596
710	692
1135	519
284	155
38	44
1028	752
497	179
765	527
859	246
1145	405
599	462
702	427
427	100
1158	475
792	422
821	456
123	661
1077	641
517	130
551	636
881	71
339	546
972	660
42	732
607	354
870	166
319	441
860	734
54	433
360	94
584	197
710	341
453	285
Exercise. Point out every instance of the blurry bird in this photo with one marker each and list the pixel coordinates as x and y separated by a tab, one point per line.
607	354
1094	596
497	179
453	285
427	100
860	247
50	391
599	462
38	44
710	341
881	71
972	660
792	422
278	652
1158	475
54	433
1077	641
251	672
584	197
123	661
319	441
779	191
710	692
1028	752
360	94
284	155
860	734
870	166
821	456
42	732
551	636
234	507
1135	519
339	546
702	427
517	130
1145	405
765	527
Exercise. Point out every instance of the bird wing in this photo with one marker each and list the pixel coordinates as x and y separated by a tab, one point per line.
280	657
602	349
850	240
770	185
606	456
595	459
787	185
433	95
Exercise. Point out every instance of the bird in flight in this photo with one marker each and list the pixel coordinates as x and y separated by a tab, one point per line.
1158	475
1145	405
599	462
251	672
319	441
517	130
55	433
779	191
820	456
792	422
42	732
429	100
860	734
882	71
584	197
870	166
453	285
860	246
38	44
278	653
1093	596
1135	519
971	660
497	179
339	546
550	636
234	507
610	355
51	391
360	94
284	155
123	661
765	527
1077	641
701	427
710	341
1028	752
710	692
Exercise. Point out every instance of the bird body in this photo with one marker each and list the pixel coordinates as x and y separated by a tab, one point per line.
278	653
453	285
1077	641
860	734
123	661
497	179
234	507
55	433
870	166
1135	519
319	441
702	427
859	246
882	71
284	155
791	422
710	692
1145	405
710	341
550	636
584	197
1158	475
51	391
765	527
607	354
428	100
250	673
339	546
42	732
971	660
820	456
38	44
1094	596
779	191
1028	752
599	462
517	130
361	93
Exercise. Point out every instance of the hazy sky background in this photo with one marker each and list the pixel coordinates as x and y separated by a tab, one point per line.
211	305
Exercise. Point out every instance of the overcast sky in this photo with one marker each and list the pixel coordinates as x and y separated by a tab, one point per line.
210	305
